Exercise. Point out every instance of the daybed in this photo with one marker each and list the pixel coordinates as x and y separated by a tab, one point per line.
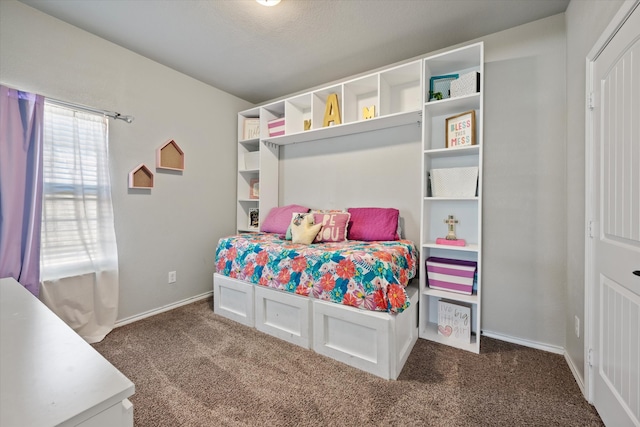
348	300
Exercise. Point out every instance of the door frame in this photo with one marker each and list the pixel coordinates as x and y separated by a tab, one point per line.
592	228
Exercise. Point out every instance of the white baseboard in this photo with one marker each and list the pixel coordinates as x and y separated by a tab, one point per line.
162	309
576	373
523	342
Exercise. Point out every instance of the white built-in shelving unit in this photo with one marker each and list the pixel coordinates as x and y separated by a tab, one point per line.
395	95
468	210
249	147
399	96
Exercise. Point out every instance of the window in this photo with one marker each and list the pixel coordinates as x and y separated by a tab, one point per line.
77	220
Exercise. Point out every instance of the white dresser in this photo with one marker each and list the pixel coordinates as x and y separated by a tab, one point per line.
49	376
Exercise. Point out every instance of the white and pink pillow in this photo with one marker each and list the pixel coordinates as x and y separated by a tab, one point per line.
334	226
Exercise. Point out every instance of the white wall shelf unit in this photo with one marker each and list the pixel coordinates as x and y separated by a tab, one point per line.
388	98
395	94
248	148
467	210
385	122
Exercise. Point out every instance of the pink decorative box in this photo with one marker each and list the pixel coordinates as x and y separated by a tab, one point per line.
276	127
452	275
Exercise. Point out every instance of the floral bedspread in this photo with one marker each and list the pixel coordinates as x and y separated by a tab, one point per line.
366	275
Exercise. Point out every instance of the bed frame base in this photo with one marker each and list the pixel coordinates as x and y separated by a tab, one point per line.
233	299
286	318
375	342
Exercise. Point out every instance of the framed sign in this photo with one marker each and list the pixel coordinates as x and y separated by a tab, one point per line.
254	218
461	130
251	129
440	86
254	188
454	320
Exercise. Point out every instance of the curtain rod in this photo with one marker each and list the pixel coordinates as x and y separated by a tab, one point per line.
112	114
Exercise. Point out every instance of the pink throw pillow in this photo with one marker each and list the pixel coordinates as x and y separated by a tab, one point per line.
371	224
334	226
279	218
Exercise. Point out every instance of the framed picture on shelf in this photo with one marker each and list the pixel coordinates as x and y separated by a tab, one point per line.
440	87
254	218
454	320
461	130
251	129
254	188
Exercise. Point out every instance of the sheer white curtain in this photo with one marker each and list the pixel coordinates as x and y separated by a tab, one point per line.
79	258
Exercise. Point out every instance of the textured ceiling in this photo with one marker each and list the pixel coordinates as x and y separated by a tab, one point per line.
260	53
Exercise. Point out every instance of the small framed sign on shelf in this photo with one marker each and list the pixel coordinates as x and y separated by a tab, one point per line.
254	188
254	218
440	86
454	320
251	128
461	130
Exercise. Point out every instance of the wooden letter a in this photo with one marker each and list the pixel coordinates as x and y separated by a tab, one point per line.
332	111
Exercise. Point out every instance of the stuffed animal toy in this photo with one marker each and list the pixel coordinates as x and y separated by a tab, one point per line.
303	230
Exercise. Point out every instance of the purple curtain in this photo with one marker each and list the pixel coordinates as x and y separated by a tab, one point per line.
21	124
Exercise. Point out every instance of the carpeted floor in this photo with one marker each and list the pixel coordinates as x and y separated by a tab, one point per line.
194	368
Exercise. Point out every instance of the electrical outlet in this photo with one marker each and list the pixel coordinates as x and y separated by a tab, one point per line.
172	277
577	325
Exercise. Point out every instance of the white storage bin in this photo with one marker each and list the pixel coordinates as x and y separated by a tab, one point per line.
252	160
466	84
454	182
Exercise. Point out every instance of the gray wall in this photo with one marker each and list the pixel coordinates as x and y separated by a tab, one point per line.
374	169
524	183
524	217
586	20
177	224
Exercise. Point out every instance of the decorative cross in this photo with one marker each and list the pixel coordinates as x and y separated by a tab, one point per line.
451	222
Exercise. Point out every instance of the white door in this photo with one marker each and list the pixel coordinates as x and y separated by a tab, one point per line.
615	371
